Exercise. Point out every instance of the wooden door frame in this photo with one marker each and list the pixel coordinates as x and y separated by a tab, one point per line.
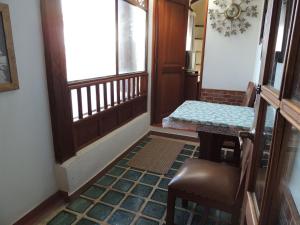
154	79
275	99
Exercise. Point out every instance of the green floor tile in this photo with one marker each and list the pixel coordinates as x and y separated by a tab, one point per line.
142	190
171	173
113	197
84	221
123	163
164	183
94	192
132	175
145	221
154	210
160	196
79	205
100	211
130	155
63	218
181	217
186	152
121	217
116	171
123	185
106	180
178	204
132	203
182	158
191	147
149	179
176	165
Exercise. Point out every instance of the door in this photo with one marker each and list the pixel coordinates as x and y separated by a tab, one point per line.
169	58
273	190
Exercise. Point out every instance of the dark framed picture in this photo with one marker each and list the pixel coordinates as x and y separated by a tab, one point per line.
8	68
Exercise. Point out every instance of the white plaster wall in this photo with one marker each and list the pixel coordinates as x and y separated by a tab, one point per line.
229	62
26	151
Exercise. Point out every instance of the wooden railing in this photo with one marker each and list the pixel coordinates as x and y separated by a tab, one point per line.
102	105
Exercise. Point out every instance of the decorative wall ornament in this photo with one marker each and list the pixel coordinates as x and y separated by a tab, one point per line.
232	16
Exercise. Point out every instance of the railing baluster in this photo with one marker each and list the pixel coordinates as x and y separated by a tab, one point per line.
79	102
138	86
129	89
105	95
123	90
118	92
89	101
98	97
133	87
112	98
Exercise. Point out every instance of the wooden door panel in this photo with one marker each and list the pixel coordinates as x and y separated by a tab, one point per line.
170	61
171	96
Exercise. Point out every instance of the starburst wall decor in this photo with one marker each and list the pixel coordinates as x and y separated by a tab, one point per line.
232	16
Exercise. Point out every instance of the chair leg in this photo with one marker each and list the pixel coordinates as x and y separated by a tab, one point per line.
185	203
170	208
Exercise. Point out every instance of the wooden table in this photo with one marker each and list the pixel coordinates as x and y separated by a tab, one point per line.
213	122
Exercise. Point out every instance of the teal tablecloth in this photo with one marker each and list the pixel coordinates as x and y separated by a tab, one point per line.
212	117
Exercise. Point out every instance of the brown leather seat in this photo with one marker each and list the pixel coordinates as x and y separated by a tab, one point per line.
207	179
210	184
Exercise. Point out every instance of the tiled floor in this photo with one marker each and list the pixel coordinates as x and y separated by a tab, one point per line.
127	196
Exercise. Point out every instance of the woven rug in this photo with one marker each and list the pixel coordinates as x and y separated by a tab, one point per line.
157	156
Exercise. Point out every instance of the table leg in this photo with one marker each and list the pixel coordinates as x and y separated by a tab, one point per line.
210	146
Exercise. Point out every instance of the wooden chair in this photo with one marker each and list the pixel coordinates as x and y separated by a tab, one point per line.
233	142
210	184
250	95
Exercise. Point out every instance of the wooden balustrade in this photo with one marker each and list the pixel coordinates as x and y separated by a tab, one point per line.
102	105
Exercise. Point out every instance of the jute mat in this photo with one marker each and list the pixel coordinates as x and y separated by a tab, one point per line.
157	156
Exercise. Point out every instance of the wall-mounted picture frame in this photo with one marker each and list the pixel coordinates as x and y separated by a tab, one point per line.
8	68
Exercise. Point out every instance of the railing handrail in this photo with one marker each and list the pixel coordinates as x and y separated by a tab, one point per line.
101	80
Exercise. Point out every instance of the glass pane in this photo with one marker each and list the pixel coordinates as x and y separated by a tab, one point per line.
296	80
132	38
265	146
90	38
282	27
289	186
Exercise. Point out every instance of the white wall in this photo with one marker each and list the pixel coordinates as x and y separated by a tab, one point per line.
229	62
26	151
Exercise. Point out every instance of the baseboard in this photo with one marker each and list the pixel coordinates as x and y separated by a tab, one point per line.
174	136
42	208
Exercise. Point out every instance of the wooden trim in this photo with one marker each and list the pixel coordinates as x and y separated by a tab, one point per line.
203	48
271	176
155	20
292	53
175	136
104	171
49	204
14	82
270	95
102	80
291	111
59	95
